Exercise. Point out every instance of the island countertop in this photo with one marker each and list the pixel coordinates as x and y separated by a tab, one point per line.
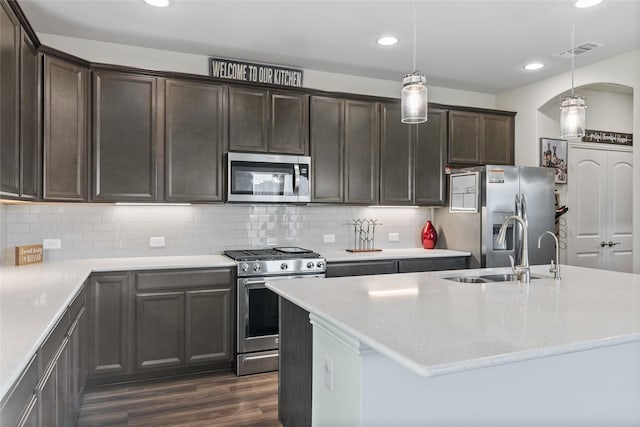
33	297
435	326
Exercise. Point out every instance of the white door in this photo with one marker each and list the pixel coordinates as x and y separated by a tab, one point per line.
600	209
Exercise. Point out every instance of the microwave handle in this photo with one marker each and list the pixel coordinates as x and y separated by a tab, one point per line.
296	178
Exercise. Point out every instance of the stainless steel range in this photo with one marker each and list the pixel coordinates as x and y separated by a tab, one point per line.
257	310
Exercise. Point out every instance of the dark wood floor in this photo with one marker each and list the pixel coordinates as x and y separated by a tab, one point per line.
220	399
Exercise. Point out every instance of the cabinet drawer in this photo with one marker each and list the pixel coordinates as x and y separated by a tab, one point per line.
432	264
361	268
77	304
165	280
18	398
53	342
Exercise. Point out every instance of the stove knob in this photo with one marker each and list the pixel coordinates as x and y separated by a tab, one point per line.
283	266
244	267
310	265
256	267
320	264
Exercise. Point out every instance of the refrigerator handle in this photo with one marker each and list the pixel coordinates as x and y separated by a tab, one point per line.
523	209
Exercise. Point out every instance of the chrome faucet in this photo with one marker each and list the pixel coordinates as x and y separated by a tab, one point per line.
555	268
521	270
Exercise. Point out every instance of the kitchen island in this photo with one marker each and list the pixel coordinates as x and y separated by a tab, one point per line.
419	349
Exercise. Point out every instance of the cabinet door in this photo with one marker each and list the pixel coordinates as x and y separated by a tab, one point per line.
429	160
248	119
9	101
108	315
327	149
195	132
497	139
464	138
209	331
65	130
29	108
396	158
125	137
361	147
288	123
159	330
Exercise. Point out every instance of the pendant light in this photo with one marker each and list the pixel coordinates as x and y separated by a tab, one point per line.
572	108
414	91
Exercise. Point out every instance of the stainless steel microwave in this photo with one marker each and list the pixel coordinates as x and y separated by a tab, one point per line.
271	178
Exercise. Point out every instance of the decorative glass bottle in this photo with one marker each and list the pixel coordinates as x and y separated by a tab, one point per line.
429	236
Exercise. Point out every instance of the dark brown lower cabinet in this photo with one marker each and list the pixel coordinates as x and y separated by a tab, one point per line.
209	326
162	322
294	378
159	330
108	305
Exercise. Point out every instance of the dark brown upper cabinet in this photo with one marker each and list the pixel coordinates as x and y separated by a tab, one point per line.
195	141
361	148
430	159
271	121
412	158
29	120
327	149
345	144
125	137
9	102
396	157
477	138
65	131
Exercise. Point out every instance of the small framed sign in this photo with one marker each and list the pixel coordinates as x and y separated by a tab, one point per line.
607	137
553	154
29	254
254	72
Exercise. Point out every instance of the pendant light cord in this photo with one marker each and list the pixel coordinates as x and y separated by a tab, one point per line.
573	54
414	36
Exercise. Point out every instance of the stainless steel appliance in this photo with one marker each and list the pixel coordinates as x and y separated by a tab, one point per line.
480	199
268	178
257	308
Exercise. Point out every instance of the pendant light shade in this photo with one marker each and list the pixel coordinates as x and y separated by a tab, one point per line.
572	116
414	92
414	98
572	108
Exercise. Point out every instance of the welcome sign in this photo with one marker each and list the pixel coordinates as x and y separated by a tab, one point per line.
275	75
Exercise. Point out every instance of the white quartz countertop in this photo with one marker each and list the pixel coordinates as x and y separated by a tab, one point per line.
342	255
33	297
435	326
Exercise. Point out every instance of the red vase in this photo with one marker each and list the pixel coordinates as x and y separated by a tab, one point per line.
429	236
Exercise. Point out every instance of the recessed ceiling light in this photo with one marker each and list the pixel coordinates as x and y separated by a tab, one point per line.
581	4
387	41
533	66
157	3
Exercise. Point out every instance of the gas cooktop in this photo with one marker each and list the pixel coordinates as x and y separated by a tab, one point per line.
283	252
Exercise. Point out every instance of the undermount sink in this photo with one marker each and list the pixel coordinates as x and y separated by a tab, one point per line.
488	278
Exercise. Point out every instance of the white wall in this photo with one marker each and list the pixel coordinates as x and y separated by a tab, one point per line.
162	60
622	69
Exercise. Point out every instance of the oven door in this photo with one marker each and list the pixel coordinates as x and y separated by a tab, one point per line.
258	313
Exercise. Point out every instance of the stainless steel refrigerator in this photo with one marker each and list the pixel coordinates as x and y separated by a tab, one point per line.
479	201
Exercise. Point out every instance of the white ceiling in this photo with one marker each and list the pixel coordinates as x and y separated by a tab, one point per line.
472	45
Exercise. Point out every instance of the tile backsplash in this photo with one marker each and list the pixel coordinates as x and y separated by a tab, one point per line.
100	230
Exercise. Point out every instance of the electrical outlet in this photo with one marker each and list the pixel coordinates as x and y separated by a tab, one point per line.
51	243
156	242
394	237
329	238
328	374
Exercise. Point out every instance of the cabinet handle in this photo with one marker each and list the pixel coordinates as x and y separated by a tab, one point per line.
603	244
613	243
